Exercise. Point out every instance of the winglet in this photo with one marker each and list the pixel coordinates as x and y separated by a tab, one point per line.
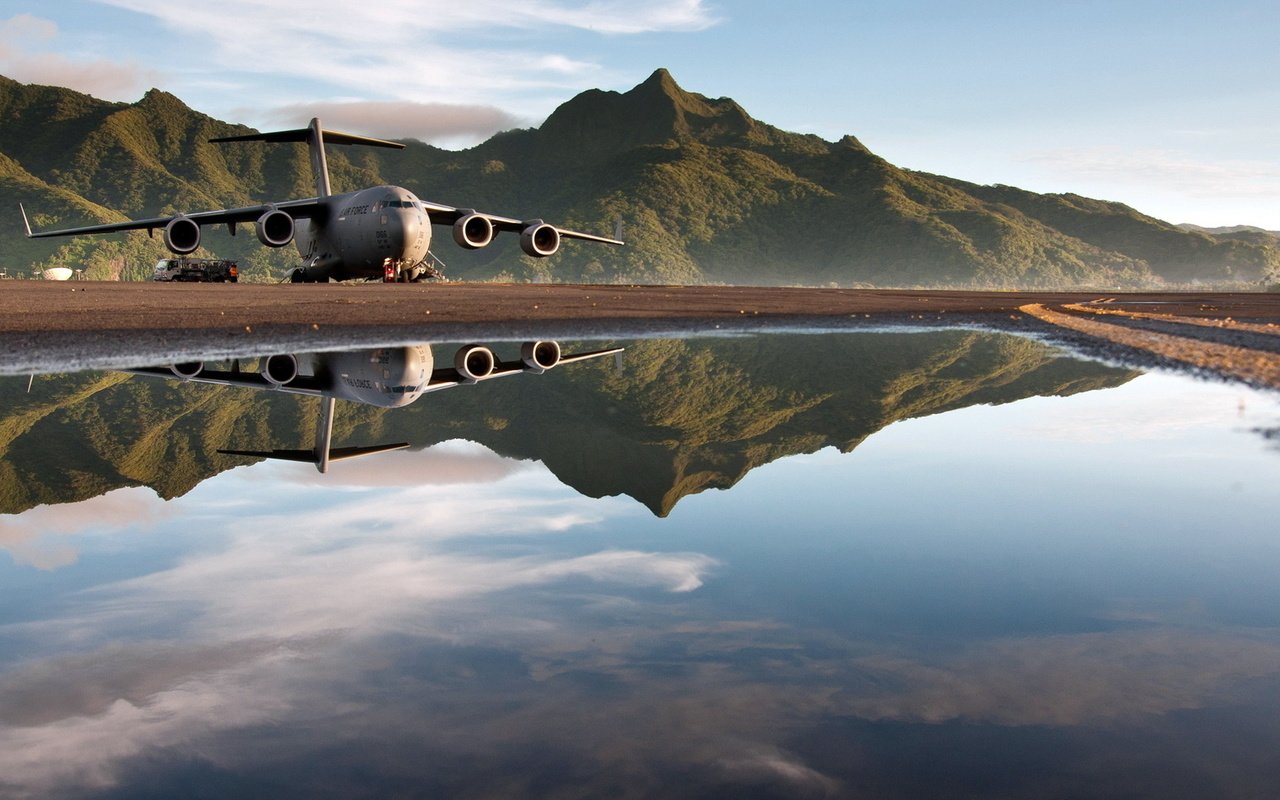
25	222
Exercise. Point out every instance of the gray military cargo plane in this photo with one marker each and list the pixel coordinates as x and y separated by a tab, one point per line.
387	377
383	232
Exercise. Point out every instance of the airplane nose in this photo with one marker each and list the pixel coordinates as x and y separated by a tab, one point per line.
415	230
405	229
395	229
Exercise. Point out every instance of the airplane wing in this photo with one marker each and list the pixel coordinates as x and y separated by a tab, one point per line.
298	209
302	384
447	215
448	377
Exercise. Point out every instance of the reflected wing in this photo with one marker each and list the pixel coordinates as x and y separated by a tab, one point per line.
448	377
302	384
447	215
298	209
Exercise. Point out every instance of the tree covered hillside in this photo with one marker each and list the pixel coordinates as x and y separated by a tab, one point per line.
705	192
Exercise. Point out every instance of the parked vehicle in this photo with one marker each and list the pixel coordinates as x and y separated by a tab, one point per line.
196	270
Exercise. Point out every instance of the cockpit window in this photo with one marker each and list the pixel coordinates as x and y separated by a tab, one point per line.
381	204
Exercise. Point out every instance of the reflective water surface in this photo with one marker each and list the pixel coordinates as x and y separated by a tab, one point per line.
943	564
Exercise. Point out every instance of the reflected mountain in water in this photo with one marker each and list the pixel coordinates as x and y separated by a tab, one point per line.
679	417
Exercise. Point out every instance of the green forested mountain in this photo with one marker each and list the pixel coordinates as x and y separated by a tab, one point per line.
706	193
678	418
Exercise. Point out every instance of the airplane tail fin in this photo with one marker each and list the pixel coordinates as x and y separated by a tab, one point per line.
316	137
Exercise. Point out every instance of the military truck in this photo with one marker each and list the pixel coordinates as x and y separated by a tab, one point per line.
196	270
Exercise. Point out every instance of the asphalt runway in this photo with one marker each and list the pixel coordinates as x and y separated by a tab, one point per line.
56	326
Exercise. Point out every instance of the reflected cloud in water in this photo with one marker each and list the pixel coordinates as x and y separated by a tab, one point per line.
360	570
42	536
919	582
441	465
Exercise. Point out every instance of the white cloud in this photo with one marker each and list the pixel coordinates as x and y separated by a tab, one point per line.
363	554
1081	679
24	57
1172	171
1133	414
286	596
775	765
38	536
457	54
85	751
444	464
393	21
427	122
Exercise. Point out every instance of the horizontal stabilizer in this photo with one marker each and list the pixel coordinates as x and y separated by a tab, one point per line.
343	453
309	456
301	134
315	137
303	456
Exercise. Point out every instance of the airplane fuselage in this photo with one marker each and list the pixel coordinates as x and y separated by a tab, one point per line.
355	233
386	377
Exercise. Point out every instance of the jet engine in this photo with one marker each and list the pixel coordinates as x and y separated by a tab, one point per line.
540	356
187	370
274	228
182	235
473	231
280	370
475	362
538	239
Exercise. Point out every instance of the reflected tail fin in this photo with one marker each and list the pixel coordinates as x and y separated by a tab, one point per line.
322	453
309	456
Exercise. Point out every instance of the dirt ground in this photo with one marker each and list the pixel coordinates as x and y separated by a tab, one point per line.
86	307
46	324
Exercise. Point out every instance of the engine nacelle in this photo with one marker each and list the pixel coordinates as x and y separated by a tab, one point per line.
540	356
473	231
274	228
187	370
182	235
280	370
539	239
475	362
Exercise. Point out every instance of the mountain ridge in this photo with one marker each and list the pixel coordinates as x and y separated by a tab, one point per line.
706	192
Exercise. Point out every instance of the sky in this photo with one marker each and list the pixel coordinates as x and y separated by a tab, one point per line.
1171	107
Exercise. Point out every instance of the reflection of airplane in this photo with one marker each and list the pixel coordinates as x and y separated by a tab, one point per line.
362	234
388	377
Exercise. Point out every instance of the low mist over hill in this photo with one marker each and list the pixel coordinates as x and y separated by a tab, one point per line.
705	192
